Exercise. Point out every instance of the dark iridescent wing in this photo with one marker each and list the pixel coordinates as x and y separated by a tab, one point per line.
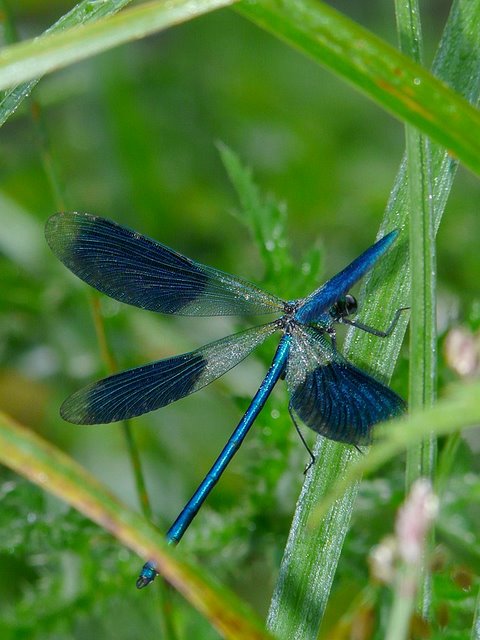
330	395
137	391
140	271
323	298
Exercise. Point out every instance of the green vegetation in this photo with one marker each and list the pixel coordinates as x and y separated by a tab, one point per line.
217	136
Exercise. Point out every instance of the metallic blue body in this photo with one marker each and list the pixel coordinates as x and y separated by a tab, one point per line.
190	510
327	393
318	302
192	507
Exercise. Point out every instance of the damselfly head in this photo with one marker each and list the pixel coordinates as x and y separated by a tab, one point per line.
344	306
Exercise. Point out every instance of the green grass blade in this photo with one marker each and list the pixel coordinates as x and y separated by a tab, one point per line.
311	555
33	58
45	465
83	13
457	63
423	337
422	256
393	80
475	634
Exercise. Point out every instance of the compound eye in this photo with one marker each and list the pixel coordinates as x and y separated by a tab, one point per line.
351	304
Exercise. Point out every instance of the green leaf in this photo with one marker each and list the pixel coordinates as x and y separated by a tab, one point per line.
423	338
386	288
42	463
266	218
33	58
83	13
423	335
391	79
402	87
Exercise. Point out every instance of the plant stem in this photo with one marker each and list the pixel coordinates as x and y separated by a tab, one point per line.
169	632
403	604
423	339
457	63
109	361
475	633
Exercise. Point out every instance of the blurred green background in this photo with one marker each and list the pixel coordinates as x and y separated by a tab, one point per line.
132	136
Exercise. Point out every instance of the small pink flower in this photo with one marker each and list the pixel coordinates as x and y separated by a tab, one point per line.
462	351
414	519
382	560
